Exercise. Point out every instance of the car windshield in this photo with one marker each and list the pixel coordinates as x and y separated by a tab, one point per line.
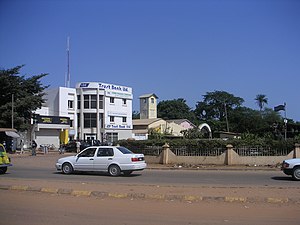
124	150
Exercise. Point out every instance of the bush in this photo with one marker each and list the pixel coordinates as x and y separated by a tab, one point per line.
210	143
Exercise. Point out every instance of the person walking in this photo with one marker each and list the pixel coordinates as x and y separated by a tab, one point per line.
22	146
78	146
33	148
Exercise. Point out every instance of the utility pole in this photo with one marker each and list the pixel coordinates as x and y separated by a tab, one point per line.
12	111
226	117
68	76
285	123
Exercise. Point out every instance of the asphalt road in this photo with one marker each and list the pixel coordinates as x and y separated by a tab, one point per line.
163	177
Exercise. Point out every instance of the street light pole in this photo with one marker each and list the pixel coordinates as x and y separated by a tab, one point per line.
226	117
285	122
12	111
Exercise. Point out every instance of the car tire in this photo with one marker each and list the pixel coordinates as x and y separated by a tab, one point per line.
67	168
114	170
3	170
296	173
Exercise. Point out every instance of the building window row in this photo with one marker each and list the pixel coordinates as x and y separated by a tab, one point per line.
90	120
90	101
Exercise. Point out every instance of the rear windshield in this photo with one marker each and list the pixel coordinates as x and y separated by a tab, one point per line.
124	150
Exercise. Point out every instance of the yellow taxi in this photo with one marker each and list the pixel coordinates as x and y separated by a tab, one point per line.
4	160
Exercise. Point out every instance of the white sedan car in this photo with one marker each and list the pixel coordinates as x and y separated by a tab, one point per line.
112	159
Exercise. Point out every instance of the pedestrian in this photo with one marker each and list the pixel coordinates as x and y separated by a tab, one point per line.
33	148
22	146
78	146
61	149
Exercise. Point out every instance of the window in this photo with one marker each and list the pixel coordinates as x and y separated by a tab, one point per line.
93	101
112	100
101	122
124	101
112	119
100	101
78	119
88	153
78	101
86	101
152	100
124	119
89	120
112	137
102	152
71	123
70	104
124	150
90	101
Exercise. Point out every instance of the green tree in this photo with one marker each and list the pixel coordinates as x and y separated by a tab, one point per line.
246	120
261	100
27	96
175	109
215	104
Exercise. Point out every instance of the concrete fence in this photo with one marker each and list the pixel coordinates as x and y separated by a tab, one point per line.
227	157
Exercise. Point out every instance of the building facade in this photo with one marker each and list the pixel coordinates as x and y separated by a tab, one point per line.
148	106
104	111
94	111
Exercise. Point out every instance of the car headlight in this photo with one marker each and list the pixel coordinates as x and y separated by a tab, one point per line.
285	165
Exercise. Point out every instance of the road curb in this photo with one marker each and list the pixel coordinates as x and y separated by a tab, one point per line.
156	197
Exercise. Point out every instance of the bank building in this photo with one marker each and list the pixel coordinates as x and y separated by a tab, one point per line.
90	111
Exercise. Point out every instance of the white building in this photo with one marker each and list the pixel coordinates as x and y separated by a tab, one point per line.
104	111
57	118
96	111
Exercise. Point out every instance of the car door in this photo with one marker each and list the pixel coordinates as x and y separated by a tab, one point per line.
103	158
85	160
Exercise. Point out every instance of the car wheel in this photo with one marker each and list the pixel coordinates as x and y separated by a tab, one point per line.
67	168
127	173
3	170
114	170
296	173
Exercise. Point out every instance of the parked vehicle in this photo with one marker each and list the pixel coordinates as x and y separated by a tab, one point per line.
71	146
112	159
4	160
291	167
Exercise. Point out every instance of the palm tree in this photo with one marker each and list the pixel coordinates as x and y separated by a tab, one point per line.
261	100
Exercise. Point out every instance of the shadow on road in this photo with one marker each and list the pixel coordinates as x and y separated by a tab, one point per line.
283	178
96	174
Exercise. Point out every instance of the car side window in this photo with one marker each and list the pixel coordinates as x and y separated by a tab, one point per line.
90	152
104	152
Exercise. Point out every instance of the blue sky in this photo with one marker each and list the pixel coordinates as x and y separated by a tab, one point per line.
175	49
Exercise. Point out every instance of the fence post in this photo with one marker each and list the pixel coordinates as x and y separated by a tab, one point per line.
166	149
229	155
297	151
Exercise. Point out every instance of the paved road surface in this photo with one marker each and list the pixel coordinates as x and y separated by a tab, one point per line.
42	167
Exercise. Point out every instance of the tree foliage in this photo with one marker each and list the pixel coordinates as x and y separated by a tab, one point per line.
27	96
215	104
175	109
261	101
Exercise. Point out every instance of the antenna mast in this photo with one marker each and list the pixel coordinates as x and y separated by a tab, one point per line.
68	76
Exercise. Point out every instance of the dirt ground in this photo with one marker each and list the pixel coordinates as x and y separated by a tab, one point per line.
40	208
